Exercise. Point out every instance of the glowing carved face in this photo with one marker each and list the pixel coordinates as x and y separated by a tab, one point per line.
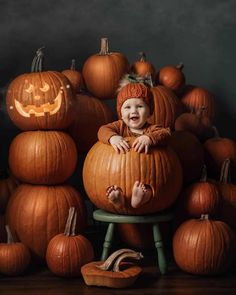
37	96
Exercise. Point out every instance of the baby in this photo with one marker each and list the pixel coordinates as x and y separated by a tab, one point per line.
134	107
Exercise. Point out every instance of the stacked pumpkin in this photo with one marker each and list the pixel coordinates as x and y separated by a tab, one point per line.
43	157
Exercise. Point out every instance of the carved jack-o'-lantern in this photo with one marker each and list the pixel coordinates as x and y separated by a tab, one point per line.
40	99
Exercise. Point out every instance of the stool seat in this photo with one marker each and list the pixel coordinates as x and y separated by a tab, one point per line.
154	219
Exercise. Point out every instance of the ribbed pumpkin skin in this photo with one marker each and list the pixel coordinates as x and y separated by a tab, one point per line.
204	247
91	115
160	169
190	152
75	78
67	254
14	257
167	107
171	77
102	73
20	91
42	157
7	186
143	68
35	214
196	97
218	149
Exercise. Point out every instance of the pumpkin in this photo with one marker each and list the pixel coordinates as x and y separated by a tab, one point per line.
160	169
196	123
202	197
14	257
167	107
190	152
217	149
92	113
42	157
40	99
113	273
143	67
228	192
8	183
103	71
172	77
196	97
204	247
74	76
37	213
67	252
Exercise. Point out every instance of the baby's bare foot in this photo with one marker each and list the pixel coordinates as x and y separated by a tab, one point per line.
141	194
115	196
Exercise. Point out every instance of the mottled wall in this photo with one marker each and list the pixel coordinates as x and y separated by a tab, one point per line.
201	33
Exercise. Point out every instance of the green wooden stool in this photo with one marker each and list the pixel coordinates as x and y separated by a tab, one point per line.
111	218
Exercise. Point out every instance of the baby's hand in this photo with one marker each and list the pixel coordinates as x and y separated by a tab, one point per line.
119	144
141	143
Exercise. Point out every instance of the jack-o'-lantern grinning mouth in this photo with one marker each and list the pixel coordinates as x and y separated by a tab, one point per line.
40	111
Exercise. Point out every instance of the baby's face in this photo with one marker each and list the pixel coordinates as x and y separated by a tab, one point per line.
134	113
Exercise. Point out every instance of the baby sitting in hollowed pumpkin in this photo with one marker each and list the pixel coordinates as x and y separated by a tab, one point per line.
134	107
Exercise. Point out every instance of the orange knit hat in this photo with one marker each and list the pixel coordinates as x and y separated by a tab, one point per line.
133	88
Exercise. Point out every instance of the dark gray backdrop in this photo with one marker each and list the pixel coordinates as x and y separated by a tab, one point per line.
202	34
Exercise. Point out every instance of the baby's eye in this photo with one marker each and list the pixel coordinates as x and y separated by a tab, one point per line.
140	106
127	107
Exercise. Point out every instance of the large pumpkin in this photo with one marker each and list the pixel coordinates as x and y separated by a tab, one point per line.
92	113
160	169
167	107
40	99
42	157
103	71
204	247
37	213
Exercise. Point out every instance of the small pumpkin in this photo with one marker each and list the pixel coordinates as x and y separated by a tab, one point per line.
103	71
74	76
92	113
8	184
67	252
37	213
113	273
196	97
14	257
40	99
204	247
172	77
142	67
228	192
42	157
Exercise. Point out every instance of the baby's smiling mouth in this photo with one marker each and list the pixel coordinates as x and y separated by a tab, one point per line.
134	118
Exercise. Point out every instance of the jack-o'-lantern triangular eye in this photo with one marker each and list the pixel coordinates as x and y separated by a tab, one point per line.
45	87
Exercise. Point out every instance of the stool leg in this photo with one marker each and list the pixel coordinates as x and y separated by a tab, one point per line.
108	241
159	246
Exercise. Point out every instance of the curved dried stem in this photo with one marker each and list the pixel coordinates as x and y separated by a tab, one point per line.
10	239
225	174
180	66
71	222
135	255
142	56
72	67
104	47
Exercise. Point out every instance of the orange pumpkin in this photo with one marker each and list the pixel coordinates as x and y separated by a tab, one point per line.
74	76
67	252
143	67
42	157
172	77
167	107
37	213
103	71
14	257
92	113
204	247
40	99
160	169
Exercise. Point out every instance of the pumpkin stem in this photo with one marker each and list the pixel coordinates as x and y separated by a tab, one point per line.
216	132
10	239
72	67
135	255
38	61
180	66
142	56
204	217
225	175
71	222
111	259
104	47
204	174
